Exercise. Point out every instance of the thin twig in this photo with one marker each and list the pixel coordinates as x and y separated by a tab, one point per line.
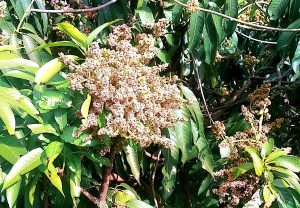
153	157
252	25
201	90
153	179
24	16
92	9
90	196
254	39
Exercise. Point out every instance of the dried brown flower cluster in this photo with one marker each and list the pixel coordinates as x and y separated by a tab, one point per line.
250	61
118	79
159	28
2	9
192	6
233	191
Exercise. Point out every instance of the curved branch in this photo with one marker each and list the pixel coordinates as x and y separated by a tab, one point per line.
92	9
252	25
254	39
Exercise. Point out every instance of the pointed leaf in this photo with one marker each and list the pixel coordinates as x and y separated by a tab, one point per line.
257	161
41	128
231	9
133	161
11	149
241	169
290	162
267	148
61	118
32	188
25	164
12	194
52	150
134	203
57	44
285	38
195	29
73	32
85	107
274	155
211	40
51	173
7	116
277	8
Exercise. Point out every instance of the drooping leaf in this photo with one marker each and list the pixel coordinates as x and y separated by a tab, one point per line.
211	39
268	196
257	161
41	5
18	74
195	29
7	116
134	203
11	149
294	10
12	194
32	188
285	38
241	169
74	33
296	62
85	107
133	160
273	155
52	150
25	164
277	8
285	171
64	43
231	9
205	184
52	175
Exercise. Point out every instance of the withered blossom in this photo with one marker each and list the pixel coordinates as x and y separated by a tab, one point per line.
2	9
119	81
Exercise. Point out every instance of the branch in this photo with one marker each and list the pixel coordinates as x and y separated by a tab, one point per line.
153	157
254	39
153	179
251	25
92	9
90	196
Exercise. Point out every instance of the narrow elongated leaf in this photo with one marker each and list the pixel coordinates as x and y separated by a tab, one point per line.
195	29
12	194
211	40
95	32
41	5
8	48
18	74
41	128
277	8
285	171
133	161
268	196
52	150
257	161
231	9
11	149
25	164
7	116
73	32
52	175
61	118
53	100
294	10
285	38
241	169
32	188
290	162
57	44
274	155
296	62
267	148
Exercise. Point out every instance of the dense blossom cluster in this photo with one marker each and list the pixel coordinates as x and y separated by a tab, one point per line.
234	191
119	81
2	9
192	6
159	28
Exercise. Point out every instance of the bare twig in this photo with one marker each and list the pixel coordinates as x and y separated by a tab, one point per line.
92	9
254	39
152	156
153	179
90	196
107	174
201	90
249	24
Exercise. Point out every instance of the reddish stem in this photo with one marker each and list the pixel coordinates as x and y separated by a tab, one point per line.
106	178
90	197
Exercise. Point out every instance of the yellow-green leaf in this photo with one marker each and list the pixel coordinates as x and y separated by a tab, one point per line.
257	161
85	107
7	116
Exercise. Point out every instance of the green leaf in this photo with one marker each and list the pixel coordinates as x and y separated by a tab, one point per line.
74	33
290	162
267	148
12	61
86	106
123	196
52	175
205	184
277	8
103	117
61	118
285	38
257	161
211	40
195	29
294	10
164	56
95	157
134	203
42	128
11	149
41	5
7	116
95	32
49	69
52	100
75	185
285	171
82	140
145	14
32	188
296	62
57	44
12	194
231	9
8	48
275	154
18	74
133	160
268	196
25	164
52	150
241	169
